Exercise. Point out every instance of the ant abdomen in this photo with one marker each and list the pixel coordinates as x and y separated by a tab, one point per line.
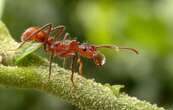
31	35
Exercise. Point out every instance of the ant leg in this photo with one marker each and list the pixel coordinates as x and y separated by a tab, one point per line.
72	70
66	36
45	47
80	66
20	45
50	64
73	67
59	31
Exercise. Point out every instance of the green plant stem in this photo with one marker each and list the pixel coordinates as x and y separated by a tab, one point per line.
86	95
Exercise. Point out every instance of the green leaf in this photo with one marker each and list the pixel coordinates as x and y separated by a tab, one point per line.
26	49
115	88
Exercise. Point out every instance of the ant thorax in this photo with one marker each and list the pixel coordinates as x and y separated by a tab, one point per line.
64	48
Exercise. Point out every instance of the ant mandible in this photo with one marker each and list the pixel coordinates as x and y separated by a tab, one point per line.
66	47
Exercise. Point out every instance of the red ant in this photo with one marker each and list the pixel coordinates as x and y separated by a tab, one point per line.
66	48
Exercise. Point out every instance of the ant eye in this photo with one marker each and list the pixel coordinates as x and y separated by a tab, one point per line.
84	49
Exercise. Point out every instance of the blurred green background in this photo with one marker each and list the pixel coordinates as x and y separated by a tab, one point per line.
143	24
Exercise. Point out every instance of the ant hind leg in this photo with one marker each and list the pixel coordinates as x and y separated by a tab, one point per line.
59	31
66	36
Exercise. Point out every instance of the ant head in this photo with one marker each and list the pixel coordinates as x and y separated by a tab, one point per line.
33	34
90	52
86	50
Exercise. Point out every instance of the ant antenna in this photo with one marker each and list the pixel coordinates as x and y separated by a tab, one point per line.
117	48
